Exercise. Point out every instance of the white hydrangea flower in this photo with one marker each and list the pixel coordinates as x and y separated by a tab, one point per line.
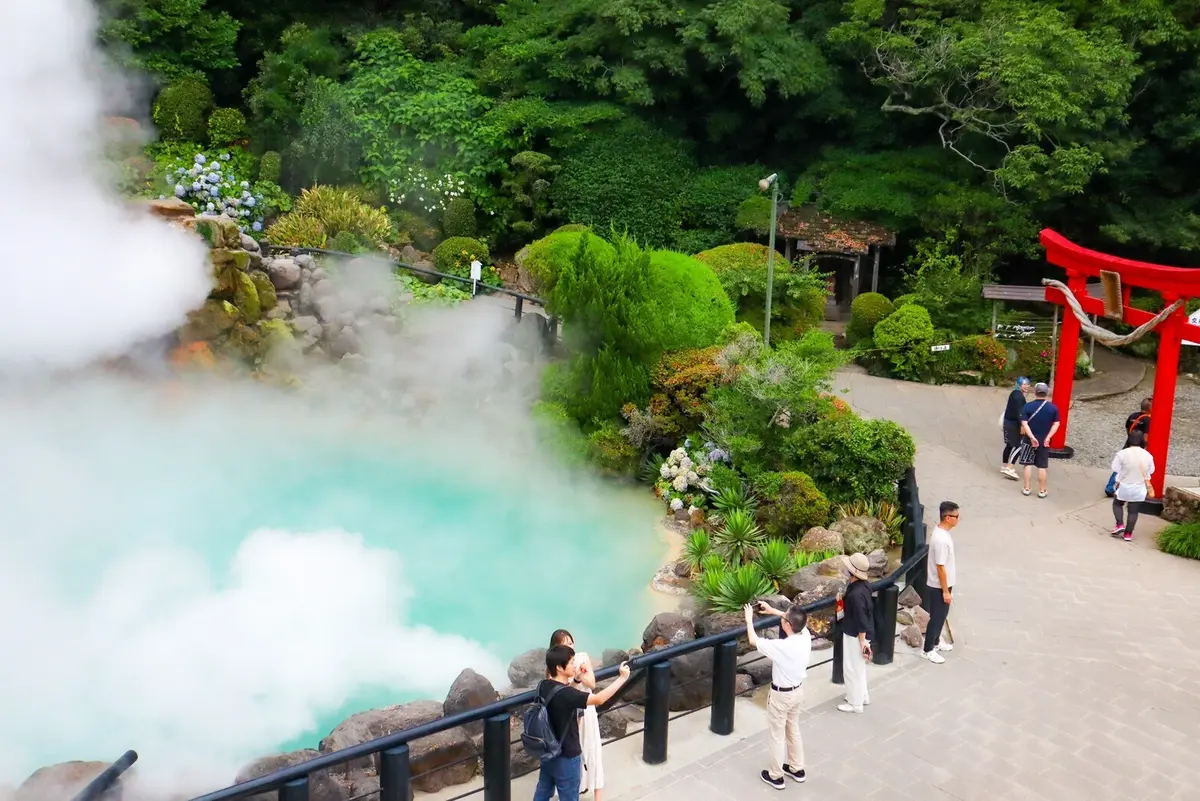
664	471
680	483
692	477
676	504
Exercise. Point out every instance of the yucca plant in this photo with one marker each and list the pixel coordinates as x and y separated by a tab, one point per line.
706	585
738	536
776	561
885	512
649	472
806	558
696	549
732	499
739	587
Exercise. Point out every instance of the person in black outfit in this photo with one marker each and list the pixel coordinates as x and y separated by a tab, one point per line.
564	772
858	630
1011	424
1138	421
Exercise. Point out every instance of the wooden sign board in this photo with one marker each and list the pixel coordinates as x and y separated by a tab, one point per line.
1114	305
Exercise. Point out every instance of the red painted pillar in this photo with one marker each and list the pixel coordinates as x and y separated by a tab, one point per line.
1068	348
1166	373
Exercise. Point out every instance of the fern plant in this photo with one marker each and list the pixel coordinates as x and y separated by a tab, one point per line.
738	537
776	561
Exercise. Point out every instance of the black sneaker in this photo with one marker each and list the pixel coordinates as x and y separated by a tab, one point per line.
776	783
798	775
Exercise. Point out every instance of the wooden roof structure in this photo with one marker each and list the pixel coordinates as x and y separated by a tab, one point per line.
822	233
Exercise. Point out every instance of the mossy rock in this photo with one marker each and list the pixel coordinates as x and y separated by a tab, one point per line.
244	342
210	321
267	298
225	257
245	297
218	232
279	347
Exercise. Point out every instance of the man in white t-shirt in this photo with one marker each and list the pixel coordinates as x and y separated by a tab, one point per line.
1133	466
789	666
940	575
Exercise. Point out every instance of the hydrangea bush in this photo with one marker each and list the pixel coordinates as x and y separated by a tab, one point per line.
683	477
213	185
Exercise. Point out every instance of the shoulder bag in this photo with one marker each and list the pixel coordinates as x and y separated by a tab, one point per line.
1026	451
1145	479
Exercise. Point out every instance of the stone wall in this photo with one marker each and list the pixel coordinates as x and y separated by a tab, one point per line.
1181	504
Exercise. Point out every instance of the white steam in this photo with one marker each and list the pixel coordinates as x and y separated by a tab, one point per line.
83	275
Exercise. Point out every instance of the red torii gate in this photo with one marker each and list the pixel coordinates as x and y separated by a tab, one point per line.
1173	283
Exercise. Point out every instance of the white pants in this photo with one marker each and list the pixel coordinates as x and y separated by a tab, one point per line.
854	672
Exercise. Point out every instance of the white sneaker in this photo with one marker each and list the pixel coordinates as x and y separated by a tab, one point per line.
847	708
933	656
944	646
866	701
1008	472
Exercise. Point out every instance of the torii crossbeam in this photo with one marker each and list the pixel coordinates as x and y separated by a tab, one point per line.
1173	283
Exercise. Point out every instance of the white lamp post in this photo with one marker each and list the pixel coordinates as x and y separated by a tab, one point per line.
771	182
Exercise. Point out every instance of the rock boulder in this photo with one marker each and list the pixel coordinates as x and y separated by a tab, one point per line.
528	669
667	628
862	534
284	272
820	539
321	786
469	691
363	726
61	781
878	562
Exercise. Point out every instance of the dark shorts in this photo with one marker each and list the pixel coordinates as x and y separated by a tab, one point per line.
1012	433
1038	457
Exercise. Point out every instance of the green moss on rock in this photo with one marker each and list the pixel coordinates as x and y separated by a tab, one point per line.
210	321
267	298
245	297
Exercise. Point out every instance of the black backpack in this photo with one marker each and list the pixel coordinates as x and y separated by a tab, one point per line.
538	736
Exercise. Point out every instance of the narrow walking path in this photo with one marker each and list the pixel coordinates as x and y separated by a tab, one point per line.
1076	669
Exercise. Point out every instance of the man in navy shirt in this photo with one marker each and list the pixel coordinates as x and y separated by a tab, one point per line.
1039	421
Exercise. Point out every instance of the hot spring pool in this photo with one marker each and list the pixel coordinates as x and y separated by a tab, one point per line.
208	581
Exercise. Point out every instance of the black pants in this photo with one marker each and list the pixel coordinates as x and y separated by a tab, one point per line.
938	609
1012	440
1135	508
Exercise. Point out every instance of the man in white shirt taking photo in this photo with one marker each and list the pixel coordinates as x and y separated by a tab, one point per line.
789	665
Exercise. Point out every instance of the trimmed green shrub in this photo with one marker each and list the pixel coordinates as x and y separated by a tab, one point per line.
629	177
754	214
852	459
792	504
904	300
270	166
867	310
549	255
226	126
611	453
454	256
709	205
181	110
798	296
459	218
692	308
904	338
1181	539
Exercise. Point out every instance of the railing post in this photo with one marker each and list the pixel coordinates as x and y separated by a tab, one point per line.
724	692
884	648
295	790
497	764
393	775
835	631
658	709
517	308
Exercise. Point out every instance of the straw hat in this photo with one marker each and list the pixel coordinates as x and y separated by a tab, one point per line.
857	565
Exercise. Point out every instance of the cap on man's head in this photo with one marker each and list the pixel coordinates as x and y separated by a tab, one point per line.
1042	388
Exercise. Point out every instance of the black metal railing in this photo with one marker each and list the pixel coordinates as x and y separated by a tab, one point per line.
108	778
654	668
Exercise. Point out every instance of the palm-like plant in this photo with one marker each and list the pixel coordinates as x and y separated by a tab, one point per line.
885	512
732	499
776	561
739	587
738	536
706	584
806	558
650	469
697	547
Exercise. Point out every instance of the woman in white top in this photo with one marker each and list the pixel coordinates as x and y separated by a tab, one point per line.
589	721
1133	466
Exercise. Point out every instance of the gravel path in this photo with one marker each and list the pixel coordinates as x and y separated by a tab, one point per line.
1096	430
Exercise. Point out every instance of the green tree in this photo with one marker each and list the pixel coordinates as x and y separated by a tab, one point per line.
170	39
276	96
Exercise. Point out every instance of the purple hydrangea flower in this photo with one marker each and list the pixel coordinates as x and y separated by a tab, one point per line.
257	226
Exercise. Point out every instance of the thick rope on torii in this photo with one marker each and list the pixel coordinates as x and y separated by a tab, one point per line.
1103	335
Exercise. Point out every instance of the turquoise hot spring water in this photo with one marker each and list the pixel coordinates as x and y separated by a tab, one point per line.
215	580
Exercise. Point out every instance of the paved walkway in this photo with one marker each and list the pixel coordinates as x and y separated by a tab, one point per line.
1076	673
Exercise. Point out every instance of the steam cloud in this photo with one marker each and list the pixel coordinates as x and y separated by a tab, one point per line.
84	276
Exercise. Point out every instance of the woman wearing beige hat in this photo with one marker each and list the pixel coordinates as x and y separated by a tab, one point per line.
858	629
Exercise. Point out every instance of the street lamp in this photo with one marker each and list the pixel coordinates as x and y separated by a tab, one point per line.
771	182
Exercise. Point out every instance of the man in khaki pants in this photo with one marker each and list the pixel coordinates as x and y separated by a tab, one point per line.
789	665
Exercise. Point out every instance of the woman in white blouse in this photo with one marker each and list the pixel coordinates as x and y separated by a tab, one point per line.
589	721
1133	466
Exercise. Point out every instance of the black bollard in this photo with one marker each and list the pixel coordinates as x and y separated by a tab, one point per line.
393	775
835	631
497	758
518	307
658	713
884	647
295	790
724	692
